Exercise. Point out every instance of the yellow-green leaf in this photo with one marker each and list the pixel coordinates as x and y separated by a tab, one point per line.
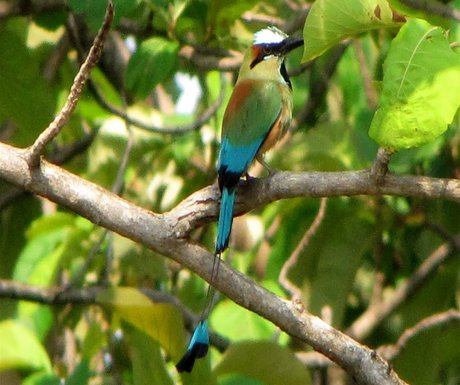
20	348
331	21
161	321
421	83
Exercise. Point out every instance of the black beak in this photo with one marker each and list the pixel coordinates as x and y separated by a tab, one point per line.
289	44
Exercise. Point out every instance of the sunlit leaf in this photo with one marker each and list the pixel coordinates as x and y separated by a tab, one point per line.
420	88
238	323
50	239
265	361
42	378
161	321
20	349
330	21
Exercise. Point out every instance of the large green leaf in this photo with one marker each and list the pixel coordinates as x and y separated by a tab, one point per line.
44	237
420	88
332	258
330	21
153	62
161	321
50	239
265	361
20	349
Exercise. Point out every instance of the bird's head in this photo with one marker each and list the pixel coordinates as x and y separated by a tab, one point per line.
265	59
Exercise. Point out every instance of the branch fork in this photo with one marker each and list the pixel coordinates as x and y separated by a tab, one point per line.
35	151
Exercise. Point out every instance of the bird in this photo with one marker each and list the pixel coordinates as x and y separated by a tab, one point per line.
257	115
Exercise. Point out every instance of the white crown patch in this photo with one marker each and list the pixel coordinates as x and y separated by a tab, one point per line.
269	35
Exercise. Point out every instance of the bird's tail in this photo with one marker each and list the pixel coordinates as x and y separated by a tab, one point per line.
199	343
225	219
197	348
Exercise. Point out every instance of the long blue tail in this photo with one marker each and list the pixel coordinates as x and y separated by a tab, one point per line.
225	219
199	344
197	348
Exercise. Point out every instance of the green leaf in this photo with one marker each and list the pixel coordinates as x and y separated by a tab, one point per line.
223	14
152	63
264	361
161	321
20	349
80	375
330	21
38	262
333	257
420	88
25	98
147	361
42	378
238	323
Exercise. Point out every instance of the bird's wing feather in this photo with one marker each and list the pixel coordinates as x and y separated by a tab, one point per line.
254	107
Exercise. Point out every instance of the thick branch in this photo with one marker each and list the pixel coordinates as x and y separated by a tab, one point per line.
162	233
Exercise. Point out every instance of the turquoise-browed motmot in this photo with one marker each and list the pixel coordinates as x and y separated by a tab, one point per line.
257	116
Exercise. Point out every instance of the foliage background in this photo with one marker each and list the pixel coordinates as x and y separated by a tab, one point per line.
363	250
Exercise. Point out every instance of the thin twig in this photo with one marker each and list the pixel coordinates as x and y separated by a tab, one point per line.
380	166
444	319
88	296
178	130
283	279
80	274
378	313
37	149
231	62
251	17
369	89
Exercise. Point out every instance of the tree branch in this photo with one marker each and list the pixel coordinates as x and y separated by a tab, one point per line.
444	319
88	296
166	233
177	130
